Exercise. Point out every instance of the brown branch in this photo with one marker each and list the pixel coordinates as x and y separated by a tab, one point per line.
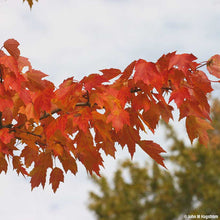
135	90
58	109
37	135
52	112
45	115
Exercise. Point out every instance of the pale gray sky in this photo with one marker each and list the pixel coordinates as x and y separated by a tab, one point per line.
78	37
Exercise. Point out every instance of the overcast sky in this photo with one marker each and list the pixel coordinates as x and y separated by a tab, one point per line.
65	38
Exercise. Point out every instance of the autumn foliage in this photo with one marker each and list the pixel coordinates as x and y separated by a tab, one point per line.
43	128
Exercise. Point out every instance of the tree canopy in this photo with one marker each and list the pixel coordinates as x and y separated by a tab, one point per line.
190	187
43	127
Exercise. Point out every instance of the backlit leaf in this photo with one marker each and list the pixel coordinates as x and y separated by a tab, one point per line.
197	127
213	65
153	150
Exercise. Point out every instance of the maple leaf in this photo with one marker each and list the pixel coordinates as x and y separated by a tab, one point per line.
30	155
153	150
87	153
29	111
152	116
147	72
164	61
42	100
5	103
179	96
24	62
91	159
10	63
38	173
128	71
53	125
118	117
38	176
93	81
108	147
213	65
35	79
82	118
200	80
165	111
110	73
100	126
5	136
30	2
67	96
18	166
140	101
68	162
183	61
128	136
11	45
3	164
56	176
197	127
57	149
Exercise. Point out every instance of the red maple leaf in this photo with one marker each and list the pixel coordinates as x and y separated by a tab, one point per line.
197	127
147	72
153	150
182	61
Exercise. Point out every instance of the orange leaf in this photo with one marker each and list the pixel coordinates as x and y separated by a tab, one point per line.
108	147
183	61
92	81
35	78
5	103
110	73
179	96
68	162
19	166
153	150
5	136
87	153
42	100
147	72
128	136
152	116
197	127
30	155
213	65
56	176
128	71
38	176
10	62
29	111
3	164
118	118
11	46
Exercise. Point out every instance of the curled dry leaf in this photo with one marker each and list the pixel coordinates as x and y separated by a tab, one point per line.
11	46
213	65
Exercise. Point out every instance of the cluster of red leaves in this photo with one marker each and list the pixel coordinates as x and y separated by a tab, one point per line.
43	128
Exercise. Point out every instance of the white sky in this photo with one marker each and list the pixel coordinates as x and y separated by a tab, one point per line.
78	37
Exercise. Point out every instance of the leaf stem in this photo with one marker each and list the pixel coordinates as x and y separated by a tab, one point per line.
202	64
